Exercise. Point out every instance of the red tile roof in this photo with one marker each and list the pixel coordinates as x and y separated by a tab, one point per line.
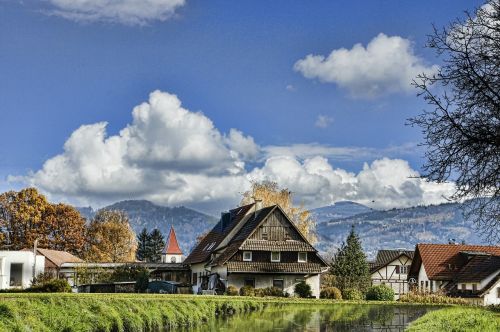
172	246
443	261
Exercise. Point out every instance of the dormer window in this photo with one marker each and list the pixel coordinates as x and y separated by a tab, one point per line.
247	256
302	257
275	256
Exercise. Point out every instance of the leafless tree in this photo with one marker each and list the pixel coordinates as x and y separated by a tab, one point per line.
462	128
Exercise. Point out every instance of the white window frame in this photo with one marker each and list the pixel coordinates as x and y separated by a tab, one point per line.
302	260
247	259
279	256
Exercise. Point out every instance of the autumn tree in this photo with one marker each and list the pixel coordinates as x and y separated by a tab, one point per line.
26	216
462	126
110	238
271	194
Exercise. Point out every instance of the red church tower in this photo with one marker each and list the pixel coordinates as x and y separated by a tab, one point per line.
172	253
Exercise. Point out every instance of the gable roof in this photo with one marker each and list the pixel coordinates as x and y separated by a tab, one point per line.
240	240
444	261
172	246
221	240
384	257
58	257
212	240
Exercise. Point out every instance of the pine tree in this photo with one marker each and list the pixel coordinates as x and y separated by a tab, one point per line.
156	245
350	268
143	251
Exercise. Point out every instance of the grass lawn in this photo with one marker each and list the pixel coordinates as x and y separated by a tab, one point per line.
457	319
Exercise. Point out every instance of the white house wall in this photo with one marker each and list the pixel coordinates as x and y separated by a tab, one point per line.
387	275
493	295
26	258
266	280
168	258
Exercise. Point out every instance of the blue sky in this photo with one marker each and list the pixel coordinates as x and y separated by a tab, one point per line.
236	62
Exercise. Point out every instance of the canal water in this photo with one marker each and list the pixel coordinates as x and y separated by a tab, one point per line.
321	318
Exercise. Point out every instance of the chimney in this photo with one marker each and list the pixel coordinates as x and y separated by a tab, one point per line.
258	204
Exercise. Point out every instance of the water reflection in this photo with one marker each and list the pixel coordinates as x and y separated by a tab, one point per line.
322	318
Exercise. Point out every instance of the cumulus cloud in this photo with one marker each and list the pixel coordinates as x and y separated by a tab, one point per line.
385	183
174	156
386	65
130	12
323	121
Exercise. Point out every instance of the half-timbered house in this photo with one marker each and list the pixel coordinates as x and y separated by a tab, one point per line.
258	247
391	268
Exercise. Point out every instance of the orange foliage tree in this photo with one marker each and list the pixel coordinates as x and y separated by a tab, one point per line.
26	215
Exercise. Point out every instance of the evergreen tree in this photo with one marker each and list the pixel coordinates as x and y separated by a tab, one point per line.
143	241
350	268
156	245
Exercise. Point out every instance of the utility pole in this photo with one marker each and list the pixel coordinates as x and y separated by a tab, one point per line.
35	245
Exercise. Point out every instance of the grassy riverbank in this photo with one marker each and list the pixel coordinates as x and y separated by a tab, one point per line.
113	312
148	312
457	319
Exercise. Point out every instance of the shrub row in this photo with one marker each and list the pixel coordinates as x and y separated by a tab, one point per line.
415	297
260	292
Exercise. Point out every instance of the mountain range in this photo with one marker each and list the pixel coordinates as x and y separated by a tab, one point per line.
188	223
389	229
392	229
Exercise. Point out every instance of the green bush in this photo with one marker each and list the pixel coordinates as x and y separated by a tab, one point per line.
231	291
142	281
51	286
247	291
330	293
380	293
303	289
352	294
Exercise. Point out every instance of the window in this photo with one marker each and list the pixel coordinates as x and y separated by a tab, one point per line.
474	287
278	283
464	286
275	256
264	236
250	282
302	257
195	278
247	256
498	292
401	269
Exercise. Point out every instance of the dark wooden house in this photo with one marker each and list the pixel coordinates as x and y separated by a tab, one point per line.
258	247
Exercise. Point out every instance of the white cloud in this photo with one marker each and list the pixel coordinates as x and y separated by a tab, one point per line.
130	12
323	121
173	156
290	87
385	183
386	65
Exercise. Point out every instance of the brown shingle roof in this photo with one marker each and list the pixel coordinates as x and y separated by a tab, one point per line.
58	257
270	267
444	261
384	257
290	245
478	268
205	248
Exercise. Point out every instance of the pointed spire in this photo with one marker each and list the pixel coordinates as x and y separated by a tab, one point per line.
171	245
